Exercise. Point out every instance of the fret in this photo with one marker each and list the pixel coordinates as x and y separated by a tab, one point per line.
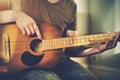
48	44
66	41
91	38
55	43
70	41
43	44
52	43
75	40
63	41
60	42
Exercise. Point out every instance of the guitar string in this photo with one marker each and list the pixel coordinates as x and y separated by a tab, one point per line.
64	42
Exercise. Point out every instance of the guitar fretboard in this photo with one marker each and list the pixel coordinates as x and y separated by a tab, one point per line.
73	41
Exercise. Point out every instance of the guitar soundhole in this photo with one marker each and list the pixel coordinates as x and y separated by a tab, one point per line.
35	45
29	59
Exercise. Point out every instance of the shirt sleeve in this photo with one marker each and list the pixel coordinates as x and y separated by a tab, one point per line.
4	4
72	25
16	5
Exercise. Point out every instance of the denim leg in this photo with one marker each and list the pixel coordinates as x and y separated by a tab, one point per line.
65	70
70	70
39	74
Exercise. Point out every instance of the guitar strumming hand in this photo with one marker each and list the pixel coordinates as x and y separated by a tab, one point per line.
25	23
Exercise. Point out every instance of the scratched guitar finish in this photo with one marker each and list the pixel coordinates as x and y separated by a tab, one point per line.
19	52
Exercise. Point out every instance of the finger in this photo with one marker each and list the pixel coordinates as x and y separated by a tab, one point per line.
27	29
31	27
37	31
103	46
107	45
22	30
115	40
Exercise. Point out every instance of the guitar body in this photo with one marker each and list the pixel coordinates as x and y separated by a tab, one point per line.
17	51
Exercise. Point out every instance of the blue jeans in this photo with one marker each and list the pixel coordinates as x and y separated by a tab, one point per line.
65	70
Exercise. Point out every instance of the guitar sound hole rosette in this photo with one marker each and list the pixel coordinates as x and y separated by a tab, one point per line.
36	45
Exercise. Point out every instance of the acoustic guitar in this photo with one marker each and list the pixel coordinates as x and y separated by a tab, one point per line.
19	52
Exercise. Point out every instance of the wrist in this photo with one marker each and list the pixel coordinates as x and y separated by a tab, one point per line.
14	15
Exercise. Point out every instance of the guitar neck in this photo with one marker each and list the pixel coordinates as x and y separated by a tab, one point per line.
74	41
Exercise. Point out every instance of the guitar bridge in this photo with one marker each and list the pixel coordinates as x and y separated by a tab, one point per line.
5	48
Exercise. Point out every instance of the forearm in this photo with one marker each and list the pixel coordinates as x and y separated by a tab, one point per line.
81	51
88	52
7	16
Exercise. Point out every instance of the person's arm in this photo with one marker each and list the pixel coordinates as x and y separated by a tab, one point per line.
7	16
25	23
78	52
